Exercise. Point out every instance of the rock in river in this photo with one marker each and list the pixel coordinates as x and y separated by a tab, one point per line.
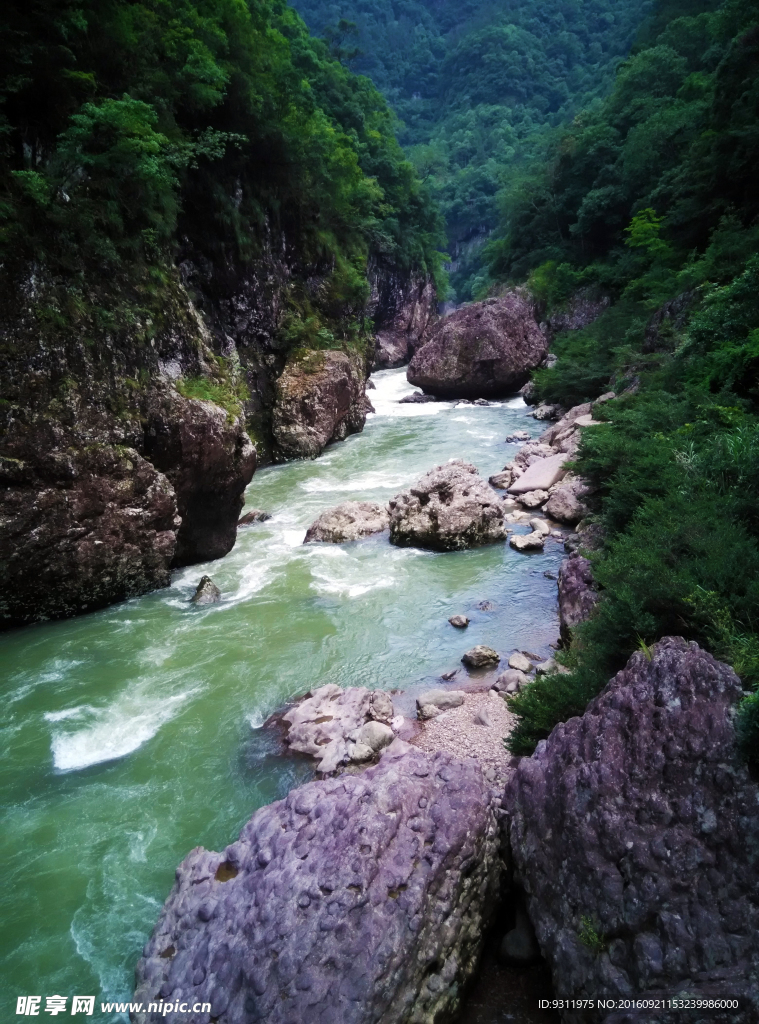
483	349
330	723
349	521
256	515
449	509
481	657
356	899
459	621
635	832
206	593
534	541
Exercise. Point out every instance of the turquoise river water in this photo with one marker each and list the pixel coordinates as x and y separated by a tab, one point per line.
131	735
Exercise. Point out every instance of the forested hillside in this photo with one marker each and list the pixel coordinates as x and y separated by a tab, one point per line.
651	201
479	86
133	131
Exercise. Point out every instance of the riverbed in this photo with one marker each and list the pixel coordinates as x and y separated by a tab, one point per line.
131	735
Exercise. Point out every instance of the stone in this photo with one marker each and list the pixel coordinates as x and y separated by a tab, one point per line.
206	592
441	699
519	662
483	718
511	681
319	399
567	421
459	621
329	721
360	898
481	657
533	499
482	350
540	526
417	399
519	946
501	480
541	475
635	831
348	522
528	542
451	508
360	753
518	435
256	515
577	594
425	712
480	401
548	412
565	504
548	667
375	735
587	421
529	393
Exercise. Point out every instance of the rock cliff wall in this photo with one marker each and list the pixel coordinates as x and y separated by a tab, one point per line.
402	309
635	833
125	429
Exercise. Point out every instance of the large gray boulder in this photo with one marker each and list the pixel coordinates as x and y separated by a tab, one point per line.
449	509
635	833
577	594
357	900
349	521
485	349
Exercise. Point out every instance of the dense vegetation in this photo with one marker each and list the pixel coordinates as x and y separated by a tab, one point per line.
480	88
652	199
131	130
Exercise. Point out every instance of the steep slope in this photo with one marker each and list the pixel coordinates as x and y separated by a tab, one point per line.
479	87
192	199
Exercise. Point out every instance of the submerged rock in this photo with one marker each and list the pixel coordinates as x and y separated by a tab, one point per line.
256	515
417	399
635	830
518	435
459	621
320	398
449	509
206	593
357	899
481	657
348	522
485	349
330	723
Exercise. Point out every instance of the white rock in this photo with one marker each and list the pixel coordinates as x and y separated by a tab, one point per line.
519	662
540	526
528	542
540	475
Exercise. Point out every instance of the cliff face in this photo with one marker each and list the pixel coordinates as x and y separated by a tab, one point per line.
124	444
402	308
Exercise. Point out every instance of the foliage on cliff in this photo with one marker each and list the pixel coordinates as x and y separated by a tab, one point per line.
653	200
131	130
479	86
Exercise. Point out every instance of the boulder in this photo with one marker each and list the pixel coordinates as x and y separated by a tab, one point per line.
449	509
511	681
319	398
533	499
635	832
528	542
529	393
361	898
481	657
520	662
485	349
441	699
417	399
329	722
565	504
347	522
459	621
542	474
577	594
518	435
206	592
501	480
540	526
548	412
425	712
256	515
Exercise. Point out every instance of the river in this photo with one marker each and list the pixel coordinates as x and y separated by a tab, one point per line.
131	735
